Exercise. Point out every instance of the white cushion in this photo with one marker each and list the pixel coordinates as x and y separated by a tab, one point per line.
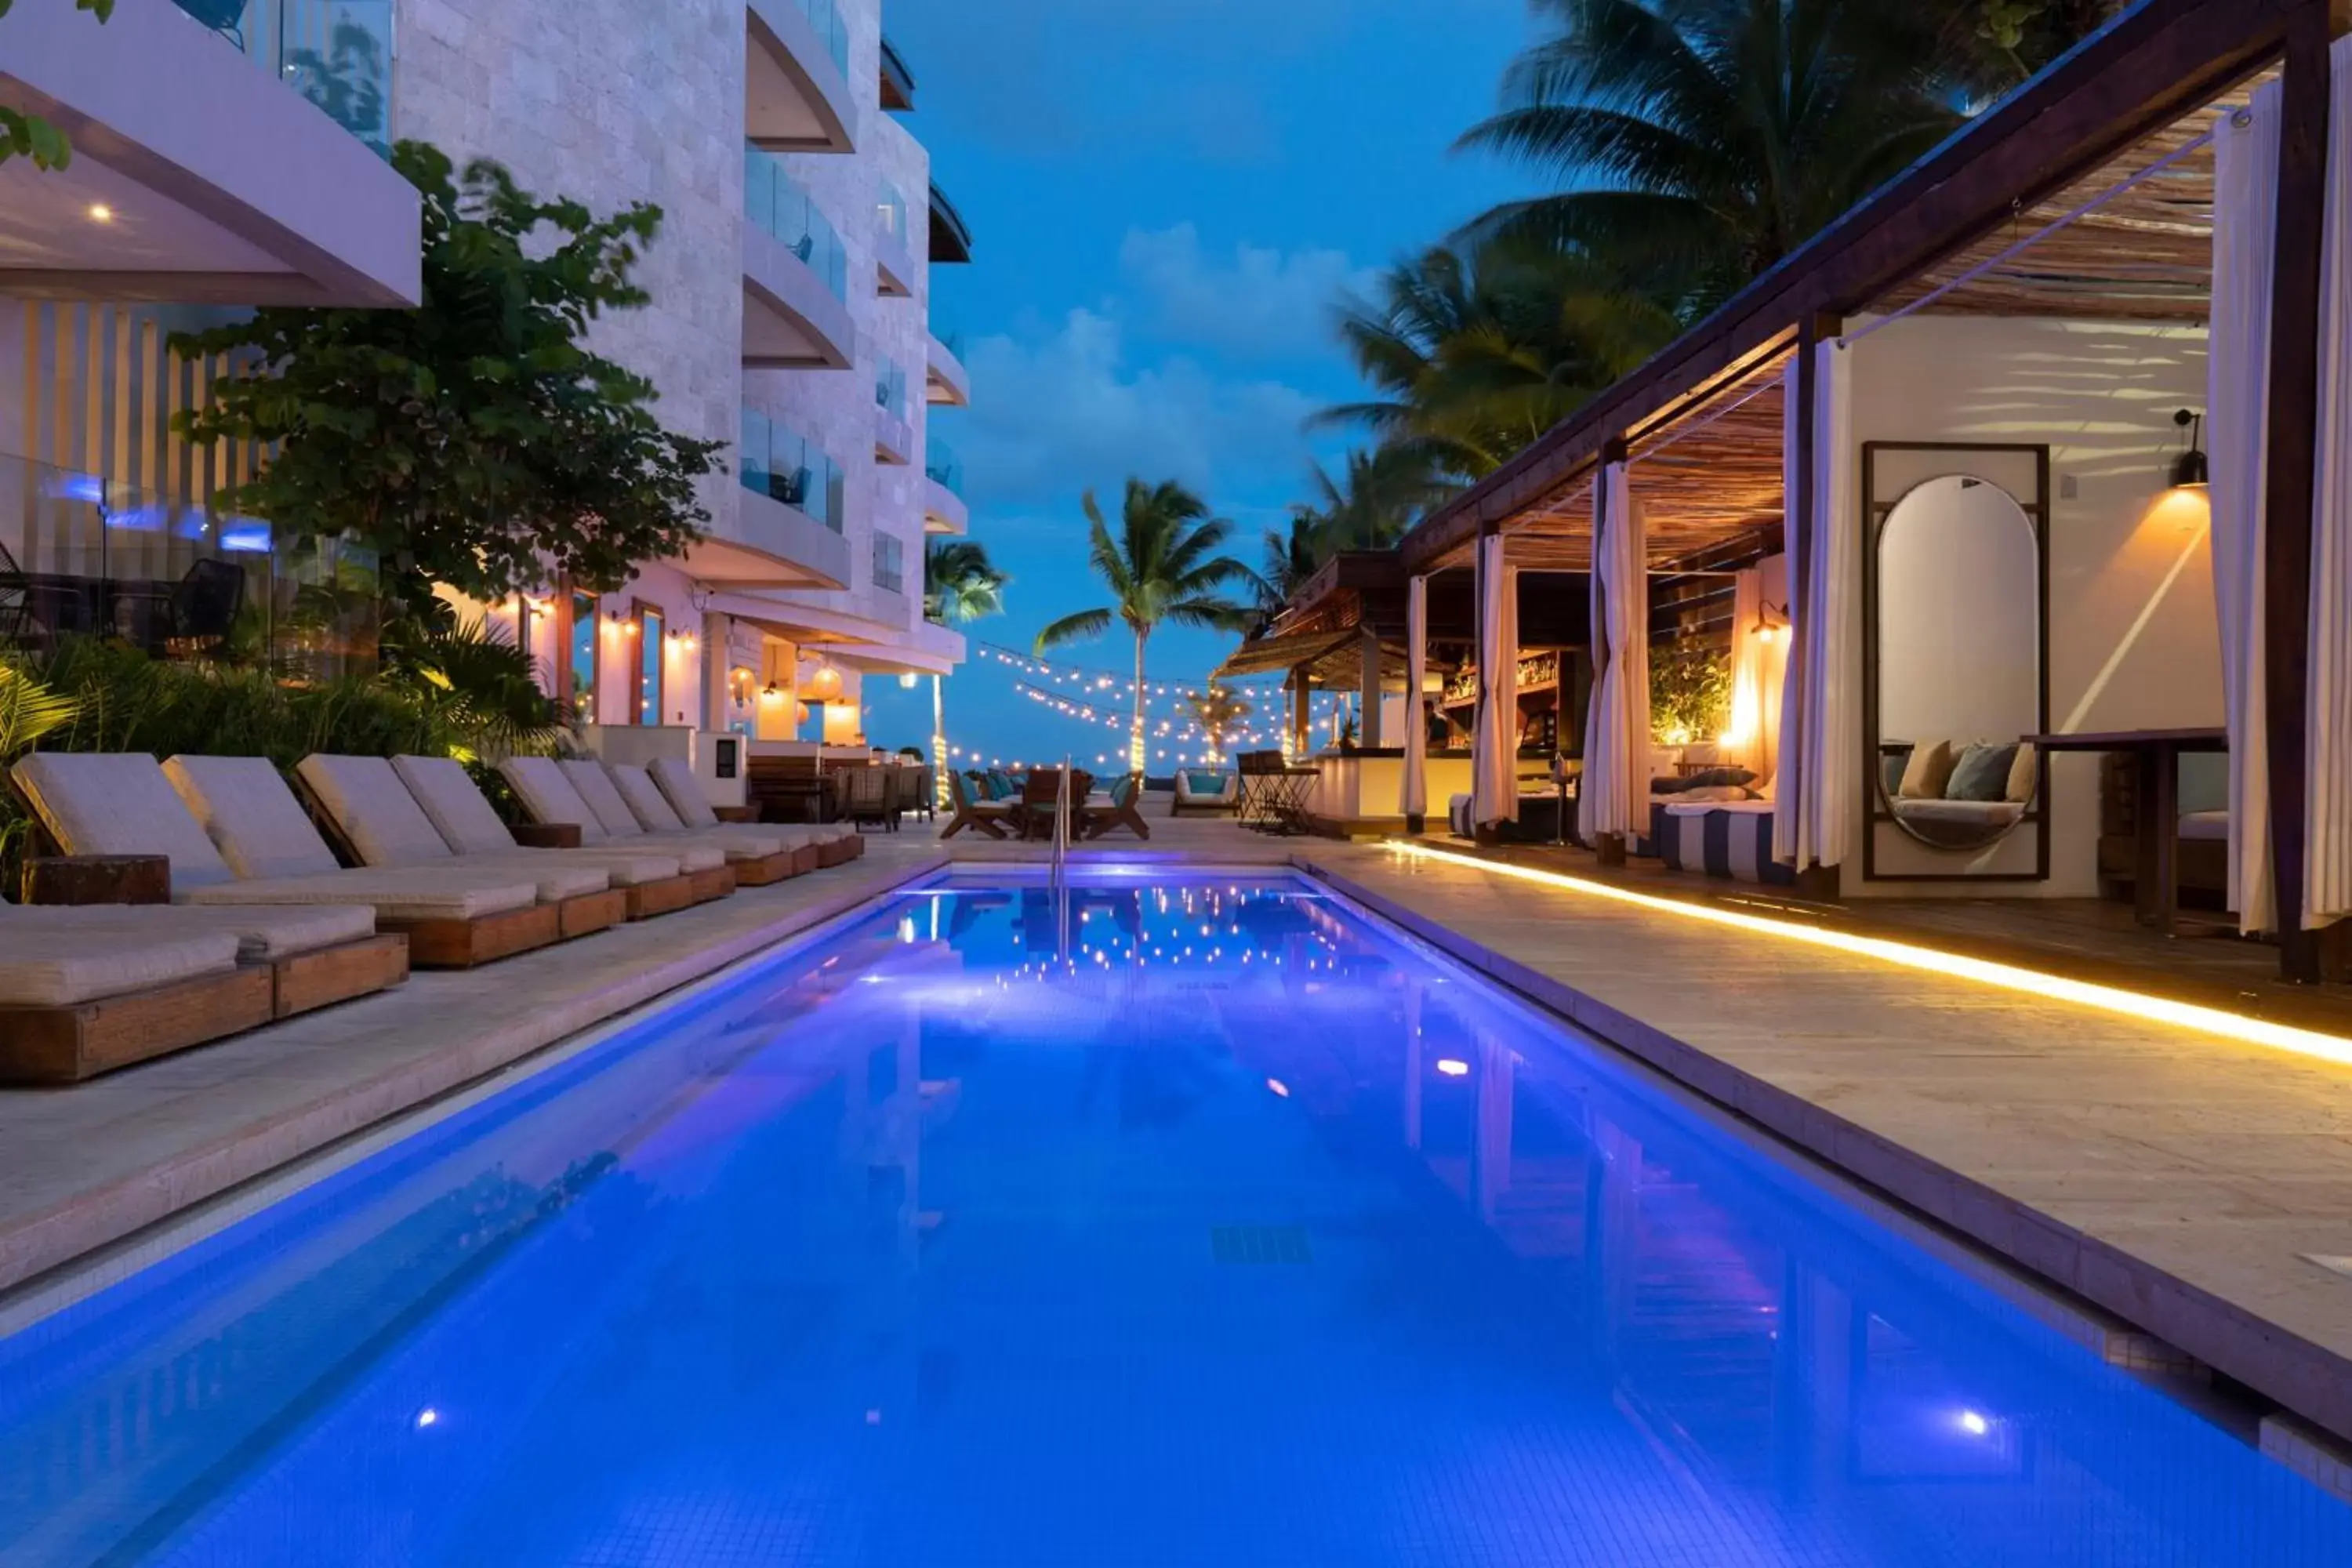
621	868
261	933
556	876
404	893
251	815
2205	824
95	803
545	792
48	965
644	799
684	792
1982	813
455	805
596	786
373	810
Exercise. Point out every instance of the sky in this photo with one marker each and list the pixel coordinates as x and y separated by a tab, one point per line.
1167	200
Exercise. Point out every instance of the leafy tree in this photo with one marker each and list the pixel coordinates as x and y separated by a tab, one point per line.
1218	710
474	440
1702	141
26	135
1474	353
959	585
1162	566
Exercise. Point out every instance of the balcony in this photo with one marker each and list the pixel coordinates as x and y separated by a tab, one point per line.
897	86
889	563
795	276
943	505
791	512
224	154
894	261
946	383
951	239
894	434
796	92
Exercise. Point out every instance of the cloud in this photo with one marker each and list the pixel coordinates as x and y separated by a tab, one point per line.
1261	302
1056	412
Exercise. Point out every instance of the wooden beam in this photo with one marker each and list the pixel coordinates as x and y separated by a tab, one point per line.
2291	462
2159	60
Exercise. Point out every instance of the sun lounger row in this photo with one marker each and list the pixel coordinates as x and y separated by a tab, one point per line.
268	921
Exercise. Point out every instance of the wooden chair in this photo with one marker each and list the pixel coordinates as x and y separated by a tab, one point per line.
987	817
1125	810
788	789
866	796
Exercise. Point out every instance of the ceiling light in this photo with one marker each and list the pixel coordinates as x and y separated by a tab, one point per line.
100	212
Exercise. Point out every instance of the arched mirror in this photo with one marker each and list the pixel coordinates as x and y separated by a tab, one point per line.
1957	673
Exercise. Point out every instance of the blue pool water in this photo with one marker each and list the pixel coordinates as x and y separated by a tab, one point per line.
1189	1223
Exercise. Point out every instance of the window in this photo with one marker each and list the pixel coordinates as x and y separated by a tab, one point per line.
889	562
578	685
647	634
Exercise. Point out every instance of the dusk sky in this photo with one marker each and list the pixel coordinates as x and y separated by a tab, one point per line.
1166	201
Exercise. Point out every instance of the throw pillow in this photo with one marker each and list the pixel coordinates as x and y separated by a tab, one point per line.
1982	773
1890	771
1204	781
1718	778
2022	776
1668	784
1928	771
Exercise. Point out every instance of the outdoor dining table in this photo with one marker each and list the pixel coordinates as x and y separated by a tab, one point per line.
1273	799
2156	891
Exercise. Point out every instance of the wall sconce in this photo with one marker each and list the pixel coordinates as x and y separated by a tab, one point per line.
2189	471
772	692
1770	622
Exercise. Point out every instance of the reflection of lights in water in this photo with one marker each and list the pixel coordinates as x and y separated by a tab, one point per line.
1451	1068
907	930
1974	1424
1279	1087
428	1416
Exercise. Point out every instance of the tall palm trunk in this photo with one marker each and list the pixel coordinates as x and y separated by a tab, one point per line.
938	746
1134	736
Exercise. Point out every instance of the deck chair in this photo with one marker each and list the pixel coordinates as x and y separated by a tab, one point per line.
319	941
760	856
550	793
654	881
78	998
988	816
369	811
455	918
866	796
1122	809
815	844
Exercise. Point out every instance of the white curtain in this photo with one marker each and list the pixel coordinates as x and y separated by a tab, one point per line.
2327	840
1495	745
2237	425
1815	809
1760	662
1412	787
1613	796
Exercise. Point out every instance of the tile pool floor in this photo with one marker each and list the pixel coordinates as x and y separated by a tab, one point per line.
1171	1225
2201	1174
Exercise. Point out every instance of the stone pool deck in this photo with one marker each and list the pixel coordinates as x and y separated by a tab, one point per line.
2183	1182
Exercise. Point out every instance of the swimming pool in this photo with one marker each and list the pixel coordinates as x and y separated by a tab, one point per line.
1176	1220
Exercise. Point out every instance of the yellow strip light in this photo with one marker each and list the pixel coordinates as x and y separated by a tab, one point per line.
2006	976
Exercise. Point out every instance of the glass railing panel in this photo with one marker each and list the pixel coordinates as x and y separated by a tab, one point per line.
890	213
831	30
941	464
778	462
336	53
775	202
889	563
890	387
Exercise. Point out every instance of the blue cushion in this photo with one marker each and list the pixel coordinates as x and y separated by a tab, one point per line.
1123	789
1982	774
1890	768
1205	781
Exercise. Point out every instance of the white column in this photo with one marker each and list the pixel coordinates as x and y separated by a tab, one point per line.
1413	786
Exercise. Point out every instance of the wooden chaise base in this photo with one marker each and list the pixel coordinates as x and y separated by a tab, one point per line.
713	884
648	900
304	981
67	1045
840	851
461	944
591	912
766	870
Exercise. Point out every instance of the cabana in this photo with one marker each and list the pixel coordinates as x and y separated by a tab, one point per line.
2057	458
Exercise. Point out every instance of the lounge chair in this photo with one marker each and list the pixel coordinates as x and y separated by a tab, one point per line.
366	807
1123	808
454	918
655	882
1206	789
988	816
760	856
866	796
551	794
319	941
815	844
78	999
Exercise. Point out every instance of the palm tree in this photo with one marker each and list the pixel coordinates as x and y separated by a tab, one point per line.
1472	353
1702	141
1162	566
959	585
1292	556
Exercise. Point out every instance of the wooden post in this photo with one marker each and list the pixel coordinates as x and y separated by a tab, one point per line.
2290	476
1368	650
1302	714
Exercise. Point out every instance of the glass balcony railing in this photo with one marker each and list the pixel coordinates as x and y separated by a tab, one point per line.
783	465
831	30
85	556
889	563
774	201
890	213
890	388
941	465
336	53
951	340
